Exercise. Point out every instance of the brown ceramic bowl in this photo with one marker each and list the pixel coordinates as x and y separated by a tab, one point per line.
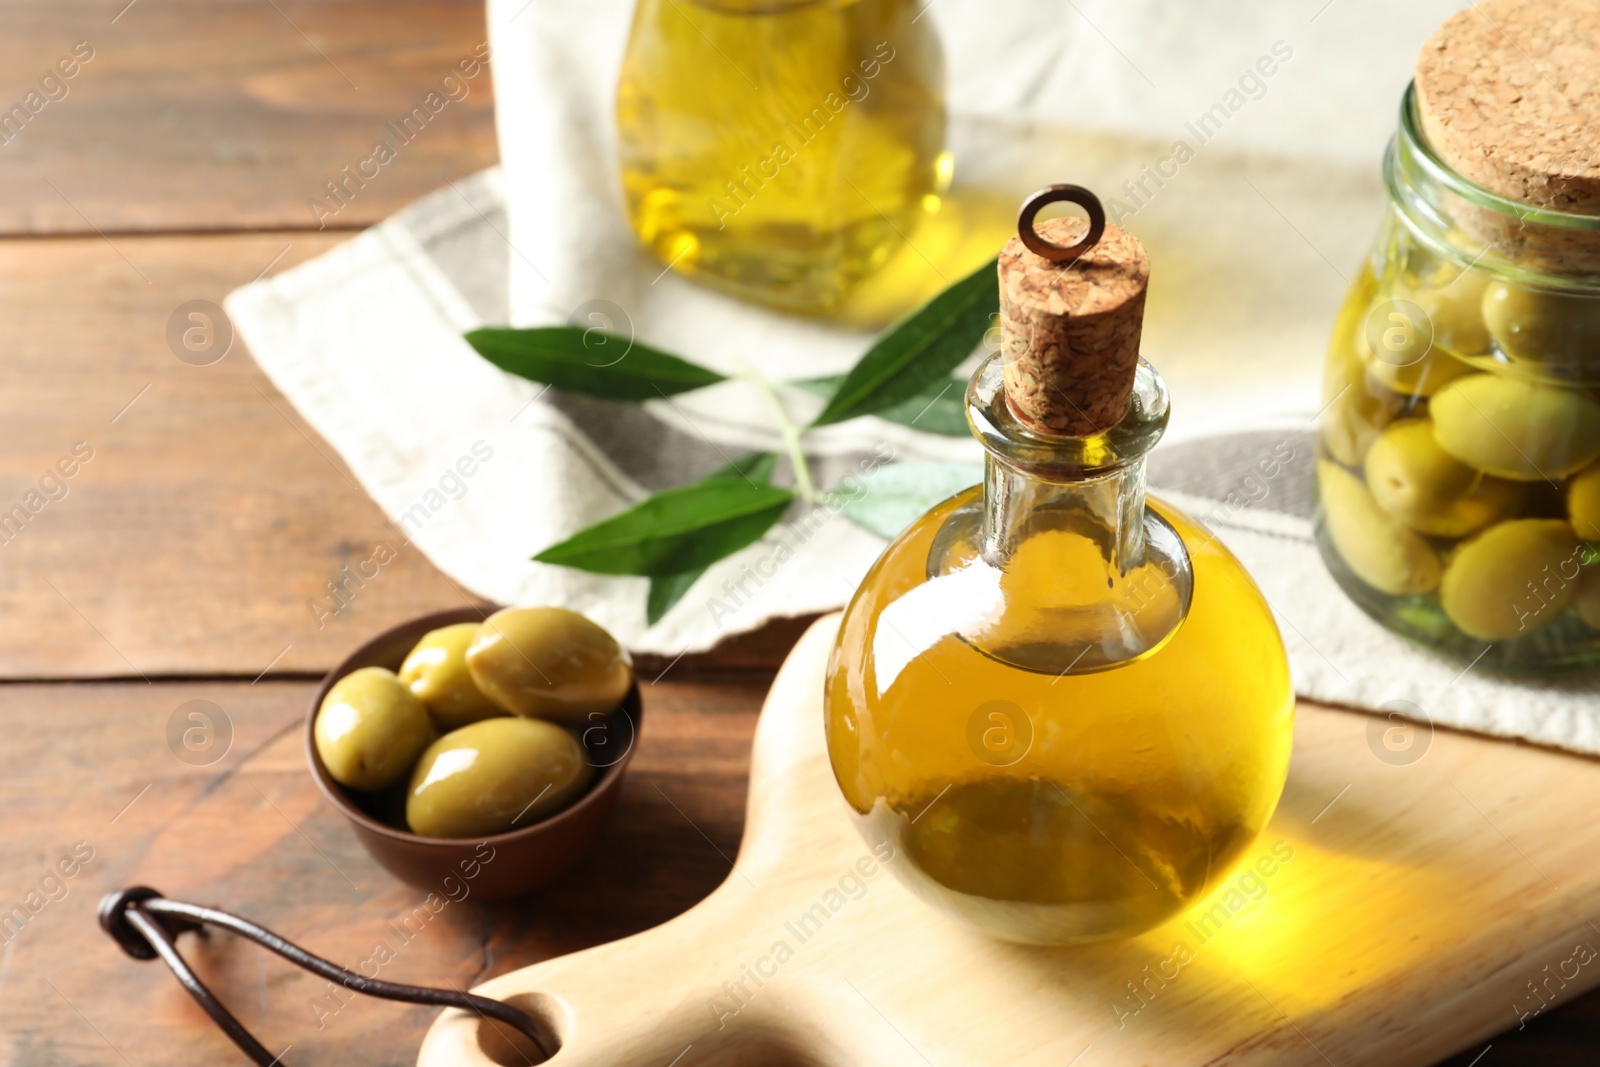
496	867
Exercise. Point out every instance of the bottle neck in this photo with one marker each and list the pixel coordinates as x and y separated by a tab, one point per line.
1108	509
1062	567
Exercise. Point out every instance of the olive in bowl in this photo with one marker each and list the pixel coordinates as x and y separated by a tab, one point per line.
548	663
500	865
369	729
493	776
435	670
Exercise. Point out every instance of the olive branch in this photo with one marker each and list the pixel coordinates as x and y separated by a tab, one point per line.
673	536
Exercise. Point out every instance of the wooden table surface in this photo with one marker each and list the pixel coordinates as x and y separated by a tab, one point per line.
176	564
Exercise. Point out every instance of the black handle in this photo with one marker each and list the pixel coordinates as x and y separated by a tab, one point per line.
147	925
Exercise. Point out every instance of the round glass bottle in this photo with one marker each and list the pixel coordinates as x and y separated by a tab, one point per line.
1065	704
780	149
1457	475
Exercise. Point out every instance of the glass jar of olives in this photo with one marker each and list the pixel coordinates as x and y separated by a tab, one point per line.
1459	456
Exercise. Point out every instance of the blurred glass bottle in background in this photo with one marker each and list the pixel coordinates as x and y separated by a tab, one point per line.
780	150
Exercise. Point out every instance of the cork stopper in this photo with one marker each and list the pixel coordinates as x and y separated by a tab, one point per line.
1509	96
1071	314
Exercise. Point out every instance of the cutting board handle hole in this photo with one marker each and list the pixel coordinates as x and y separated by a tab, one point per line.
508	1047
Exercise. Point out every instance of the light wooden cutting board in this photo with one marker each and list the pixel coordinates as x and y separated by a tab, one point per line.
1425	904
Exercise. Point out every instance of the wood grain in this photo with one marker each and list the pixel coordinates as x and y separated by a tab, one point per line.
231	114
1410	911
201	535
188	545
209	518
251	834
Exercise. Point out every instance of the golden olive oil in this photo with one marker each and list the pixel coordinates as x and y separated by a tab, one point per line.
1062	807
780	150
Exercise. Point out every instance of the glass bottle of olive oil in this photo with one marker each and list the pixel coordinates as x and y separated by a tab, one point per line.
1064	703
780	149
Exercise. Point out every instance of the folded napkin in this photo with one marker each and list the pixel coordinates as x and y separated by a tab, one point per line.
1252	246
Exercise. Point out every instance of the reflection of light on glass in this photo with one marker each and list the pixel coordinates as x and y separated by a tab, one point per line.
966	601
685	250
944	168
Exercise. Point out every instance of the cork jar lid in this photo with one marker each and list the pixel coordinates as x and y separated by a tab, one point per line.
1508	93
1072	295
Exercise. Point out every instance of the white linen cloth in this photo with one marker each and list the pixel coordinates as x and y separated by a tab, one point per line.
1252	243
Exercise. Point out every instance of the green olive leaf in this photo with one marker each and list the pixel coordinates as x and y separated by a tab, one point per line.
756	467
675	531
894	496
938	407
590	361
920	349
667	590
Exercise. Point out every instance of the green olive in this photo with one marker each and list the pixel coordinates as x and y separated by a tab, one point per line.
493	776
1587	601
1425	377
1429	490
370	729
1415	358
1456	309
1541	326
549	663
436	672
1357	405
1374	544
1583	502
1512	428
1512	578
